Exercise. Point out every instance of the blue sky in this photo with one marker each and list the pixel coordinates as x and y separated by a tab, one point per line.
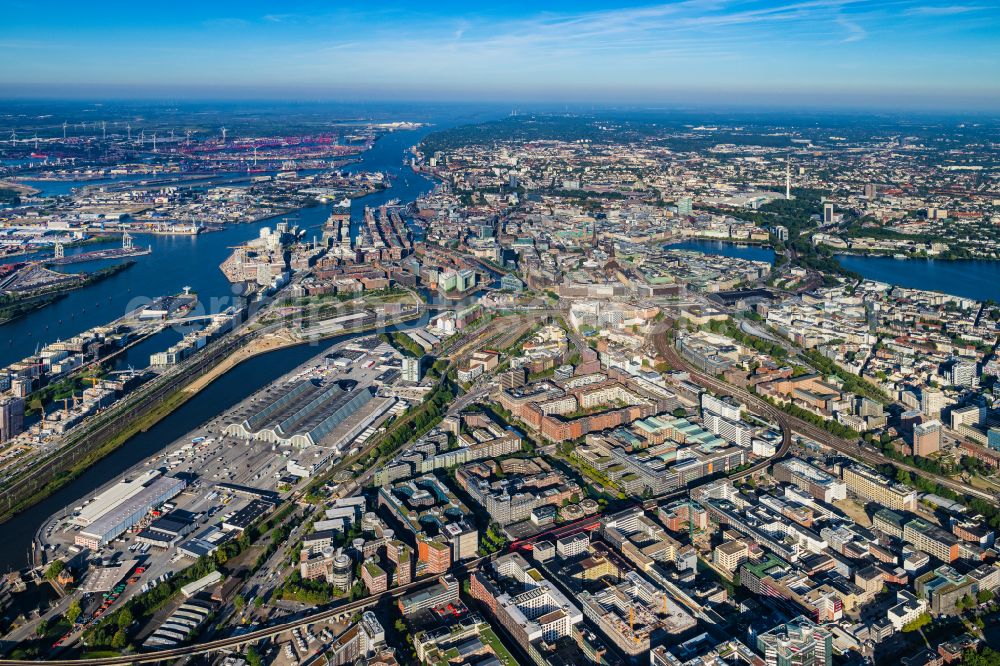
915	53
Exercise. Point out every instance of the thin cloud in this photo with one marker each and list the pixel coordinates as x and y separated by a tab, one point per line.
855	33
948	10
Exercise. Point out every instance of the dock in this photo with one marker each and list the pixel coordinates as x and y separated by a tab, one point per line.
98	255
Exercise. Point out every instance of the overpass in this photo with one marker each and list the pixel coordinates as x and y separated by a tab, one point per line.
229	643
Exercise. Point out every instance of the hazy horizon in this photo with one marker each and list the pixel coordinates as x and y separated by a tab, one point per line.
844	54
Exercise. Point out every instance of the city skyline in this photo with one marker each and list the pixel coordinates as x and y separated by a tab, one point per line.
826	53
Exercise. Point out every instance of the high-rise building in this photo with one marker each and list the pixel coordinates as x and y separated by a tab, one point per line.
931	402
871	191
927	438
964	373
684	206
973	415
434	553
411	369
725	407
828	213
464	540
11	417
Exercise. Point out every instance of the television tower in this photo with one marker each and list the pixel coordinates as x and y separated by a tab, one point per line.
223	136
128	128
788	181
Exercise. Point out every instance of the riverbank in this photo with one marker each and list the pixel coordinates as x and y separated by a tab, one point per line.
16	310
20	188
25	304
183	393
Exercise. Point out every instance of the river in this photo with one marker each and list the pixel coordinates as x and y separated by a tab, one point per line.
191	261
176	262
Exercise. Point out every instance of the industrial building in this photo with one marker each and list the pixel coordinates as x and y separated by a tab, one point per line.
303	416
123	506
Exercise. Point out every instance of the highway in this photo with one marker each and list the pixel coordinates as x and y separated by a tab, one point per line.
790	424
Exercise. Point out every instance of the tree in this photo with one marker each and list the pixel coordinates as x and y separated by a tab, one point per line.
119	640
74	611
253	658
42	628
239	602
920	622
54	569
125	618
984	596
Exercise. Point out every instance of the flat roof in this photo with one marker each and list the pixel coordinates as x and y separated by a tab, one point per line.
112	497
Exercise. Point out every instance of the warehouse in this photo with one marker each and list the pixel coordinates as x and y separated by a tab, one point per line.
112	497
304	415
167	530
247	516
110	525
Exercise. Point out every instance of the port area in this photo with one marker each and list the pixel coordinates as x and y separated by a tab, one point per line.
98	255
250	459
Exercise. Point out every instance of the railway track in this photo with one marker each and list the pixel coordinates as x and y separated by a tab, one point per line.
790	424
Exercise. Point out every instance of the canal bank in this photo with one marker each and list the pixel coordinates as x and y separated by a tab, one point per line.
177	262
223	392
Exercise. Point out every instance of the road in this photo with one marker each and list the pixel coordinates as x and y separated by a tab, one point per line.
232	642
756	405
790	424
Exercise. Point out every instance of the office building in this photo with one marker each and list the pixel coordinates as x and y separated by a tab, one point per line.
993	439
927	438
931	540
814	481
870	485
731	554
800	642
